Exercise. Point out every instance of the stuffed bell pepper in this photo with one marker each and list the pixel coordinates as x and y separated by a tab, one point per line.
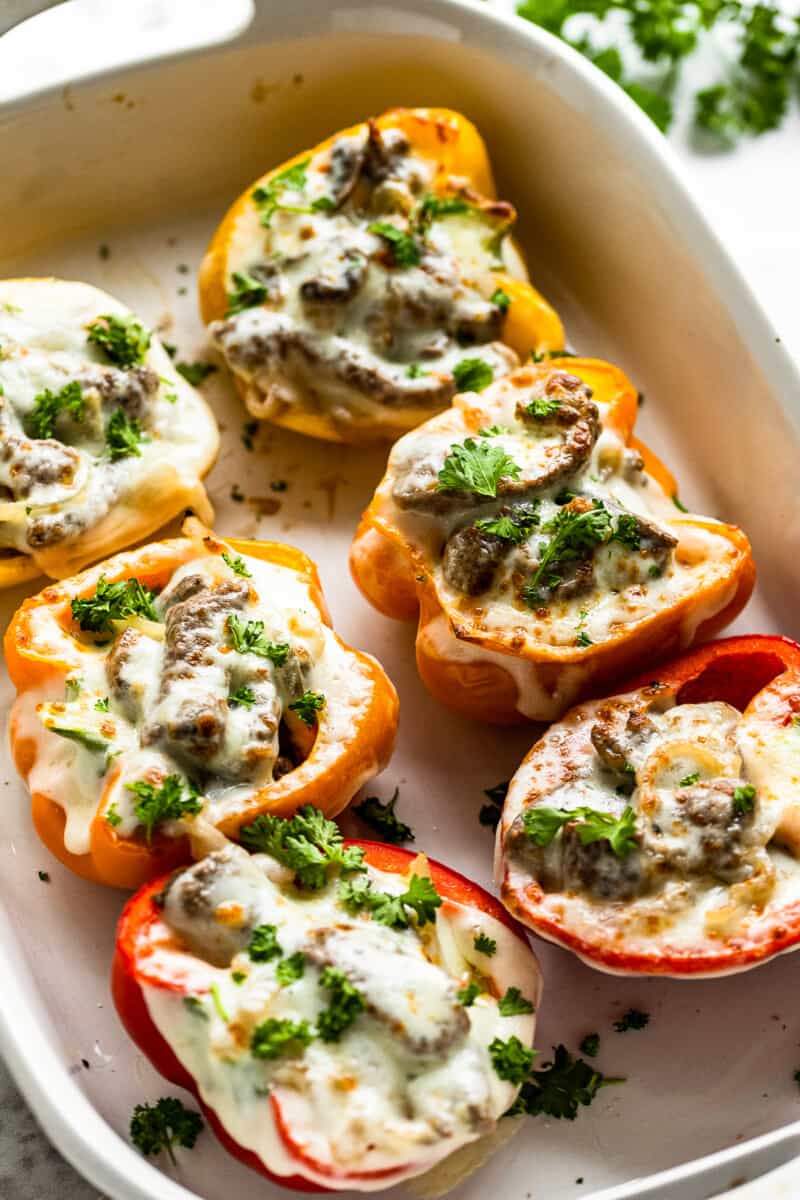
348	1015
658	831
177	690
348	289
541	546
101	440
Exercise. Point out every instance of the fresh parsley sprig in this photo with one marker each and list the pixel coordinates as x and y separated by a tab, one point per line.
160	1126
559	1087
542	824
476	467
168	802
358	895
307	843
123	340
114	602
308	706
381	817
514	526
48	406
247	637
124	436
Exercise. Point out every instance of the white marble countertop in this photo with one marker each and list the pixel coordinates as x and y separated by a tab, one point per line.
752	196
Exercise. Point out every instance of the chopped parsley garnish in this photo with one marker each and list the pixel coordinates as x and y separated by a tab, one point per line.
88	738
559	1087
513	1004
484	944
476	467
43	876
542	824
112	816
466	995
690	780
627	532
123	340
124	436
511	1059
433	207
415	371
493	430
243	697
237	495
744	799
344	1005
491	813
236	564
501	299
632	1019
307	707
543	406
291	968
216	1000
160	1126
404	249
274	1038
247	293
238	977
264	944
165	803
114	602
248	638
575	535
101	705
681	507
472	375
381	817
48	406
196	372
515	526
590	1045
358	895
583	640
268	197
308	844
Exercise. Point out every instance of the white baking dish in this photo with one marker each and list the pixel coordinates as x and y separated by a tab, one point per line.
145	160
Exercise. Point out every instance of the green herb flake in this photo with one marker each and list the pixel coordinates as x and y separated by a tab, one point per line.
48	407
466	995
290	969
634	1018
308	706
514	1004
264	944
101	705
403	247
247	637
501	299
236	564
344	1004
381	817
247	292
167	802
511	1059
249	431
559	1087
43	876
114	602
243	697
308	844
744	798
515	526
484	944
112	816
275	1038
590	1045
472	375
476	467
123	340
195	373
542	824
124	436
164	1125
690	780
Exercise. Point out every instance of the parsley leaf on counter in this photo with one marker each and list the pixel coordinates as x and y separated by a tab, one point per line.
47	406
514	1003
751	97
345	1003
590	1045
124	436
114	602
476	467
307	707
248	638
491	813
308	844
264	944
484	944
559	1087
632	1019
381	817
123	340
472	375
164	803
160	1126
195	373
275	1037
403	247
542	824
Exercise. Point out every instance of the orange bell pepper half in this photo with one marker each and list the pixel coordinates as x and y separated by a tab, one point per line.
736	915
332	750
520	648
453	154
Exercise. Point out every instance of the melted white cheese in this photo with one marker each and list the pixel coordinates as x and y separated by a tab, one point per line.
408	1082
44	347
82	780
